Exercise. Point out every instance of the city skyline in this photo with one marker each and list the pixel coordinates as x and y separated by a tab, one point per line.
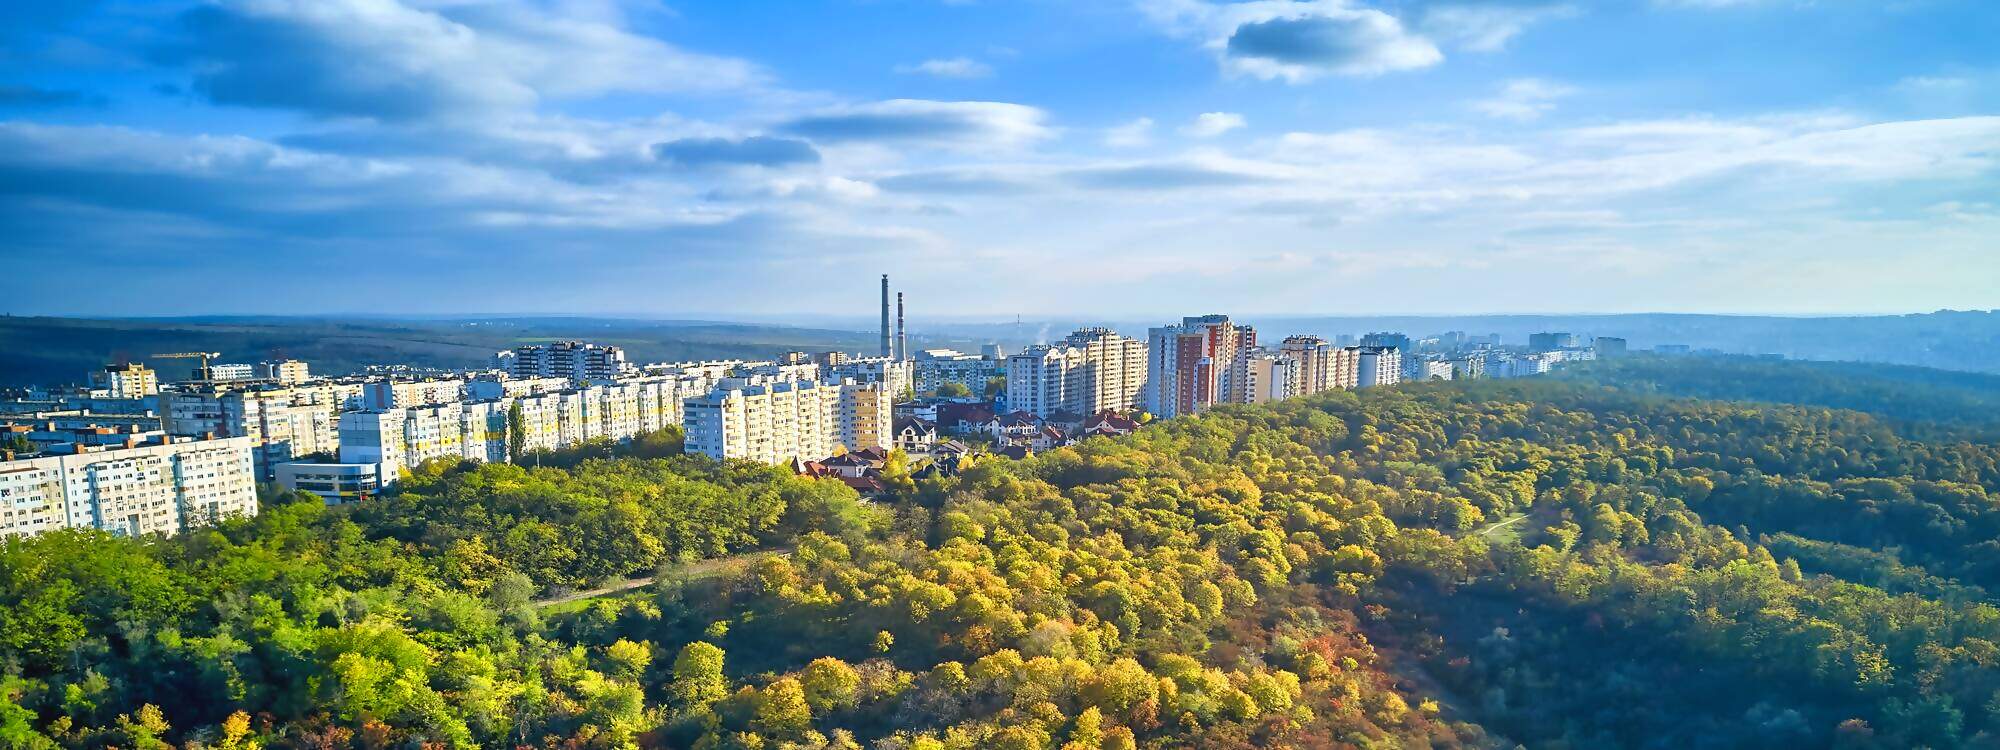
710	161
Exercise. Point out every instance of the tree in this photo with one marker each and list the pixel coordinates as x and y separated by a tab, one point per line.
781	708
829	684
627	659
517	431
698	679
953	390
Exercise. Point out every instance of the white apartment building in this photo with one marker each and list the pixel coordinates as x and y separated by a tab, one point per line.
163	488
129	380
1380	365
577	361
937	367
285	371
282	423
334	483
479	430
232	372
1270	376
1091	370
864	416
770	422
1323	365
898	375
403	394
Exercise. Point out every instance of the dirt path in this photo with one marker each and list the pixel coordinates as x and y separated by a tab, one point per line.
693	570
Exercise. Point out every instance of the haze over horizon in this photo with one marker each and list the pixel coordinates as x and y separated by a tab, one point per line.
1332	157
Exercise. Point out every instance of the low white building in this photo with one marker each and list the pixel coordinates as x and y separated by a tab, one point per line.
334	483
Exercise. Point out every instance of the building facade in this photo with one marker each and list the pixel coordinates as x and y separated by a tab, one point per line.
164	488
577	361
1092	370
130	380
1380	365
1196	364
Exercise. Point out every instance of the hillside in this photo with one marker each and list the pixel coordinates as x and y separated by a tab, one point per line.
63	350
1542	562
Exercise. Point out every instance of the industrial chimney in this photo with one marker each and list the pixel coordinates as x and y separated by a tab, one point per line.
885	316
902	342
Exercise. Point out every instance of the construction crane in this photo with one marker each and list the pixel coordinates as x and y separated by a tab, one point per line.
201	373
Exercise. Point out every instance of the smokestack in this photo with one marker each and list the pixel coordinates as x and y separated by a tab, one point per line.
902	342
885	316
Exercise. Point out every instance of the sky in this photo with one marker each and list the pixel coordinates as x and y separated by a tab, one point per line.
1039	157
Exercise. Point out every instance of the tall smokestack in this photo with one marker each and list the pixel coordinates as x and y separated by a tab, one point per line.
902	342
885	316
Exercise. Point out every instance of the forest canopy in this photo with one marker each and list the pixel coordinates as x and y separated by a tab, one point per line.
1547	562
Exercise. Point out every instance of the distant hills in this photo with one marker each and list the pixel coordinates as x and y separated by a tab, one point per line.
52	350
63	350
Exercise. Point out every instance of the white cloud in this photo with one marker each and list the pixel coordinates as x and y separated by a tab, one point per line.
1523	99
1487	28
1133	134
398	60
1211	124
956	67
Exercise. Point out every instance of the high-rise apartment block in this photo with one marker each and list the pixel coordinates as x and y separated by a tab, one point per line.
130	380
1548	342
1270	376
897	375
576	360
163	488
1092	370
282	423
1380	365
935	368
1196	364
1323	365
285	371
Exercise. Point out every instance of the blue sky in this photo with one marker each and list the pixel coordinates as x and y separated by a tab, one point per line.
1122	157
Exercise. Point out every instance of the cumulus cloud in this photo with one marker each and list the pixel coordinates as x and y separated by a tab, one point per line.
1523	99
398	60
761	151
955	67
1211	124
918	121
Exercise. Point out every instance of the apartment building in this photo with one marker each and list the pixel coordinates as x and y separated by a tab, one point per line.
935	368
283	423
769	421
1270	376
1380	365
577	361
898	375
1323	365
1196	364
162	488
404	394
1091	370
864	416
285	371
130	380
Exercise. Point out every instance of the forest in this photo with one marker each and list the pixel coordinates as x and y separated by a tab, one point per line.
1546	563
